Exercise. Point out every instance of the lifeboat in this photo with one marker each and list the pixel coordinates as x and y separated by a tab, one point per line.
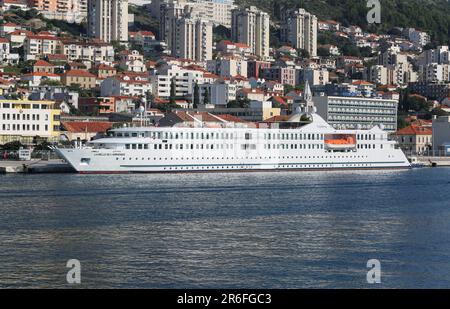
341	143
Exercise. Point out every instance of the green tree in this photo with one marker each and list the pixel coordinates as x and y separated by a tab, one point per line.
206	98
172	91
196	101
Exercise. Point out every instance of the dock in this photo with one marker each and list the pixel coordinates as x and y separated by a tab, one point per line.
434	161
35	166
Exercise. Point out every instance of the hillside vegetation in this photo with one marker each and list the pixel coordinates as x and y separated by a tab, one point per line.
432	16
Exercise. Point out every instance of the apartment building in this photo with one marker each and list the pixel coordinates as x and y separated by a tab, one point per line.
227	66
357	112
108	20
184	80
94	51
193	38
37	46
251	27
299	28
23	120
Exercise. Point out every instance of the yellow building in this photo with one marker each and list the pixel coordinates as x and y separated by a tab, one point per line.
83	78
27	121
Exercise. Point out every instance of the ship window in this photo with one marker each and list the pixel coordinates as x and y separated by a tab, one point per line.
145	146
133	146
127	146
134	134
139	146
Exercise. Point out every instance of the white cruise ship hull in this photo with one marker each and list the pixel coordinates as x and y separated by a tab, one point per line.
145	161
315	146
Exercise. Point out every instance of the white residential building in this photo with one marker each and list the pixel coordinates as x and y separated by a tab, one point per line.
220	93
216	11
184	80
434	72
108	20
419	38
251	26
36	46
125	86
316	76
6	57
193	39
132	61
96	52
227	67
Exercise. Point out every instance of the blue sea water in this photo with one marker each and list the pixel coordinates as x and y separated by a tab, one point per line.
227	230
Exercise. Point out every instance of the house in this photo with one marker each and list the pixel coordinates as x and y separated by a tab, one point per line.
38	78
283	75
329	25
100	105
233	48
82	78
84	130
17	37
132	61
251	94
415	139
332	50
6	57
125	85
7	28
43	66
104	71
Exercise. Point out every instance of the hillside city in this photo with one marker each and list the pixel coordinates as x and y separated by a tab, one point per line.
71	70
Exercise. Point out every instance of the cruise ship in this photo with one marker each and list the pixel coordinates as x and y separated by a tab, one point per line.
303	142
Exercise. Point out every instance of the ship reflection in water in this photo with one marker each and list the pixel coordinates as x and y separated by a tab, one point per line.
233	230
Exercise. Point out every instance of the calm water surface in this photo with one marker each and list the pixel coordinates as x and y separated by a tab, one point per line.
233	230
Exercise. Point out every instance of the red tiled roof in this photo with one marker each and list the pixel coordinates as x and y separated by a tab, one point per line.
87	126
43	37
103	66
230	118
54	57
21	32
277	118
41	74
146	33
415	130
42	63
80	73
4	40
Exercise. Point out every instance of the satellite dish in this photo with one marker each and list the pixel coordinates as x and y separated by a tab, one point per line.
381	126
141	109
358	126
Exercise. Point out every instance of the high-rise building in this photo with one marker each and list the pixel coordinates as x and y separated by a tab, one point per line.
108	20
299	28
193	39
251	26
215	11
169	14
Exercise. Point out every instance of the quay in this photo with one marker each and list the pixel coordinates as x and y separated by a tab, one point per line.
433	161
35	166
